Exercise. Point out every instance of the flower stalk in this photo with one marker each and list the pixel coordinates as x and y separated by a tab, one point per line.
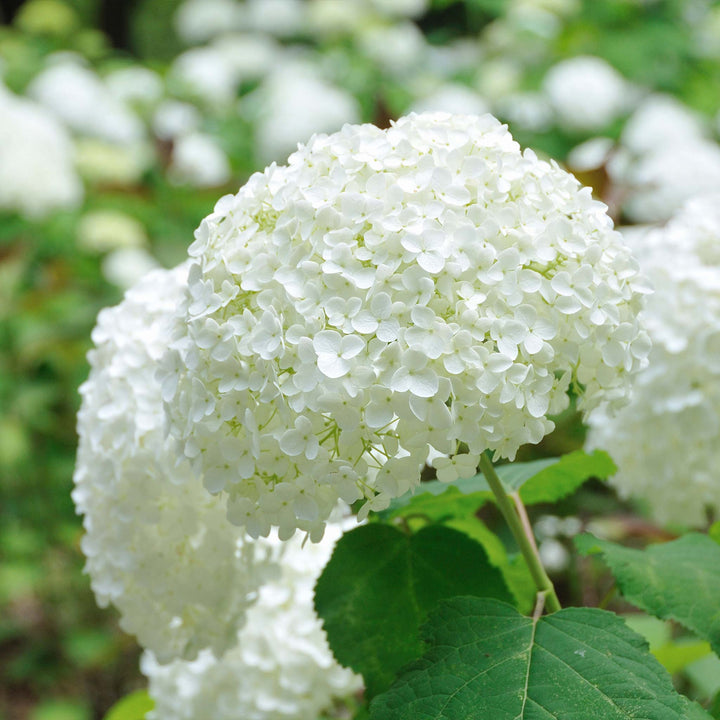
522	536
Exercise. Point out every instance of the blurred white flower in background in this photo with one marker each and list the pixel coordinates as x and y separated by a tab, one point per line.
173	118
661	120
250	56
282	18
666	442
103	230
293	103
37	173
198	160
587	93
659	183
281	667
453	98
105	163
197	21
526	110
205	74
79	98
135	85
665	157
398	48
125	267
401	8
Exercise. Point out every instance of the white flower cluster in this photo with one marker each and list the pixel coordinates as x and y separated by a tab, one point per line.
281	668
587	93
158	546
666	442
36	160
388	293
665	158
81	100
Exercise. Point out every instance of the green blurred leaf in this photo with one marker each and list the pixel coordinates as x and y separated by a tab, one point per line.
485	660
61	710
678	580
89	648
380	585
675	656
132	707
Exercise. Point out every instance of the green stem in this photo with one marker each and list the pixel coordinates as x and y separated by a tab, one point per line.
527	546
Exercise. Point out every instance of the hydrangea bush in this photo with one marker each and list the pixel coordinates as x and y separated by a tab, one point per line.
387	295
392	303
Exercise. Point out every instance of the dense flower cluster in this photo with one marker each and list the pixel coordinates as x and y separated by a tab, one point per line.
157	545
389	292
281	668
666	442
36	160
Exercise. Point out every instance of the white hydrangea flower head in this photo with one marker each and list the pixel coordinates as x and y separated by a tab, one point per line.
587	93
158	547
37	173
666	442
281	667
389	292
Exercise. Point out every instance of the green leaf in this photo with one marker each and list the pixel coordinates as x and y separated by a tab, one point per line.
693	711
539	481
714	532
674	656
132	707
678	580
485	661
379	586
565	476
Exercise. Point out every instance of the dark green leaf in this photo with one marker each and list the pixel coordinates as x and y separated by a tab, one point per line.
379	586
485	661
678	580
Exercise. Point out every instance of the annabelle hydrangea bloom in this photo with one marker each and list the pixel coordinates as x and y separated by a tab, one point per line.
390	294
158	547
666	442
281	667
37	173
